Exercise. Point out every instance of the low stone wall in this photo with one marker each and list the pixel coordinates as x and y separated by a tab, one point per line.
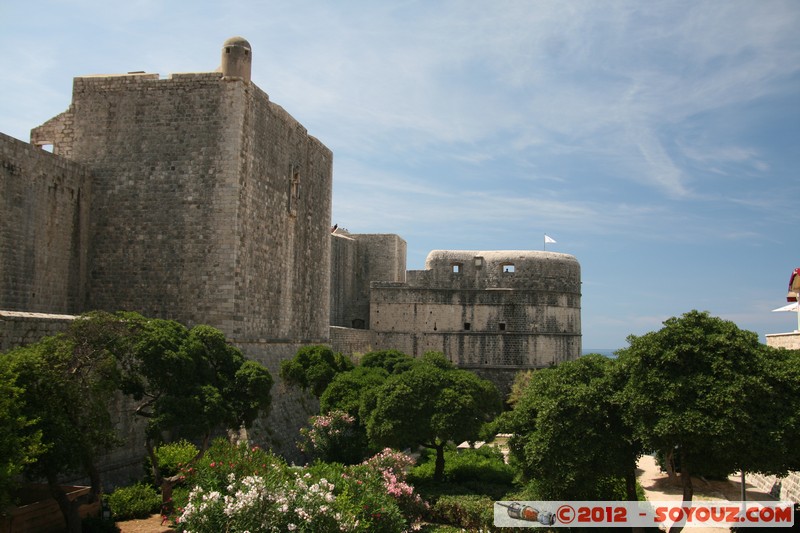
785	489
790	341
19	329
351	341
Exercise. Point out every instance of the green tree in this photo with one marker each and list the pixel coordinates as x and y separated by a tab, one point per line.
393	361
709	391
20	441
349	390
187	384
314	367
349	393
65	382
430	405
570	436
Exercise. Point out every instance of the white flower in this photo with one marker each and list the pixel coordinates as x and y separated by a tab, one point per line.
291	527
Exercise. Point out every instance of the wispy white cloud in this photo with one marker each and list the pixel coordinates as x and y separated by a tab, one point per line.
467	123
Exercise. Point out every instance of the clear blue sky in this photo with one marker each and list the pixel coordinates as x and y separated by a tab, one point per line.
657	142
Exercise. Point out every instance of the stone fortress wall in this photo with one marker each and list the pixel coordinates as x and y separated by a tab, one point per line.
195	198
237	197
502	310
44	214
357	260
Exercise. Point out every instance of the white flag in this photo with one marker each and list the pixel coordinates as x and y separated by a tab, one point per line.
549	240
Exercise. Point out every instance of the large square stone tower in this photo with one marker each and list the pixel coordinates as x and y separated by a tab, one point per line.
209	203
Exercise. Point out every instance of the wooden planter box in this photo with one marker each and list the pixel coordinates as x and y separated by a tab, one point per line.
39	513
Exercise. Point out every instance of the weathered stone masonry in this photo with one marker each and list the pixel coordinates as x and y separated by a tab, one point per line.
44	214
195	198
235	197
509	310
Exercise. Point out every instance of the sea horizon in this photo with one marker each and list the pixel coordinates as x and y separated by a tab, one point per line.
607	352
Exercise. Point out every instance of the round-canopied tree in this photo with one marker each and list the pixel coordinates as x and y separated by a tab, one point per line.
709	392
570	437
314	367
187	383
431	404
65	383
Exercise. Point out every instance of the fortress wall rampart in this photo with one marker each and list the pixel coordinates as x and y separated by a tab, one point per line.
384	256
381	257
44	223
345	278
57	133
351	341
18	328
490	309
282	279
524	269
210	203
485	350
358	260
164	158
399	308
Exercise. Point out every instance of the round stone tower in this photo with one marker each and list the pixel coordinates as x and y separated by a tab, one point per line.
237	58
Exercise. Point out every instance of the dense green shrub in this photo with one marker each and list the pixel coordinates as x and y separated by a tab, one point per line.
482	466
171	459
471	512
136	501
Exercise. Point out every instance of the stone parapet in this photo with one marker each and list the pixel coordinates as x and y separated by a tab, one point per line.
790	341
785	488
21	328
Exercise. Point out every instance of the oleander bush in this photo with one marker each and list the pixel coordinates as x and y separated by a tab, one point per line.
237	489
